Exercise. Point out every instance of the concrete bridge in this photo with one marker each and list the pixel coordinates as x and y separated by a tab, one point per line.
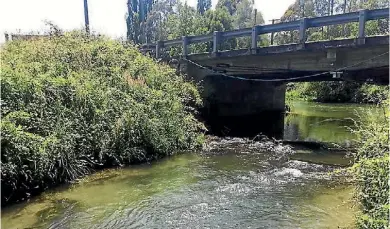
239	86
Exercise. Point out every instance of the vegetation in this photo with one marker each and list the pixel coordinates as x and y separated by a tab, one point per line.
203	5
172	19
319	8
372	169
137	11
347	91
74	103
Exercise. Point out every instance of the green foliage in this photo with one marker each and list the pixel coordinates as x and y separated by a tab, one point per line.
244	17
74	103
230	5
371	169
156	27
318	8
187	22
342	91
137	11
203	5
372	93
172	19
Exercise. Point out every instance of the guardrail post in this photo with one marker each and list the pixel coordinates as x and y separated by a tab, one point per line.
216	42
255	33
362	27
272	34
185	45
159	45
302	30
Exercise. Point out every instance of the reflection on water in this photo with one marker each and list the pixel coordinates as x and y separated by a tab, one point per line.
322	122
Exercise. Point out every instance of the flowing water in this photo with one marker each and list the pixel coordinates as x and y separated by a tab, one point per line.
232	183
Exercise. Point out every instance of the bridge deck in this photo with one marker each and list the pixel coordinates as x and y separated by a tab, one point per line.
361	58
356	61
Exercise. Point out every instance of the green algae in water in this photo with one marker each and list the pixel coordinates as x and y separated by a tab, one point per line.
328	208
323	122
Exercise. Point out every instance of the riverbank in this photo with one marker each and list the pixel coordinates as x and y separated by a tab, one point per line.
371	168
72	104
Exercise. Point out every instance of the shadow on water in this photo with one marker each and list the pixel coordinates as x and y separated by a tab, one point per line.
270	124
305	122
311	128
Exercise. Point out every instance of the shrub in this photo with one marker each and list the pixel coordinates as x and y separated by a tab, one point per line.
73	103
372	169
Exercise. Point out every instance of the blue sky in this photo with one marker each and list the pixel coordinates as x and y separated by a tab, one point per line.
106	16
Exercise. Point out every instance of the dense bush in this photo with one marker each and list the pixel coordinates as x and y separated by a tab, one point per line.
343	91
74	103
372	169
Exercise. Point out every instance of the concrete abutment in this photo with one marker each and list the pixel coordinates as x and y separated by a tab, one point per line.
235	107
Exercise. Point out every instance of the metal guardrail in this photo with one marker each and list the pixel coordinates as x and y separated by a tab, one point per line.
301	25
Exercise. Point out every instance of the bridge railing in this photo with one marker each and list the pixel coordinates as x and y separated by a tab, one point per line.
301	25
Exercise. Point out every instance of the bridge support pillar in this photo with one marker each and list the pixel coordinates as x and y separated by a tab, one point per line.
243	108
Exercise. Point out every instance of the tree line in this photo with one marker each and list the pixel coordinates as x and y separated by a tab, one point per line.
152	20
319	8
149	21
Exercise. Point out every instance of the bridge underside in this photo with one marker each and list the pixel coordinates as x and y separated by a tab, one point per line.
377	75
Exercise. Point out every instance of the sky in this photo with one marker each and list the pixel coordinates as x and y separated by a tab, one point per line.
105	16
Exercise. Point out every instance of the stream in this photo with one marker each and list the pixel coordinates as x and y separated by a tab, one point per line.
232	183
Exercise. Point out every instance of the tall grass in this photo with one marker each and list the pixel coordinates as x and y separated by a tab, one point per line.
371	169
73	103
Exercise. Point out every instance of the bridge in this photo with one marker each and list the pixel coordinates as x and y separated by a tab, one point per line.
241	85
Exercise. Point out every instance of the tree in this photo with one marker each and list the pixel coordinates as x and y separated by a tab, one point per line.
230	5
182	21
244	17
186	21
137	11
319	8
203	6
219	20
155	25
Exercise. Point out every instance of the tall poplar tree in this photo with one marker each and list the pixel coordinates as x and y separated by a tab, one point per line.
137	11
